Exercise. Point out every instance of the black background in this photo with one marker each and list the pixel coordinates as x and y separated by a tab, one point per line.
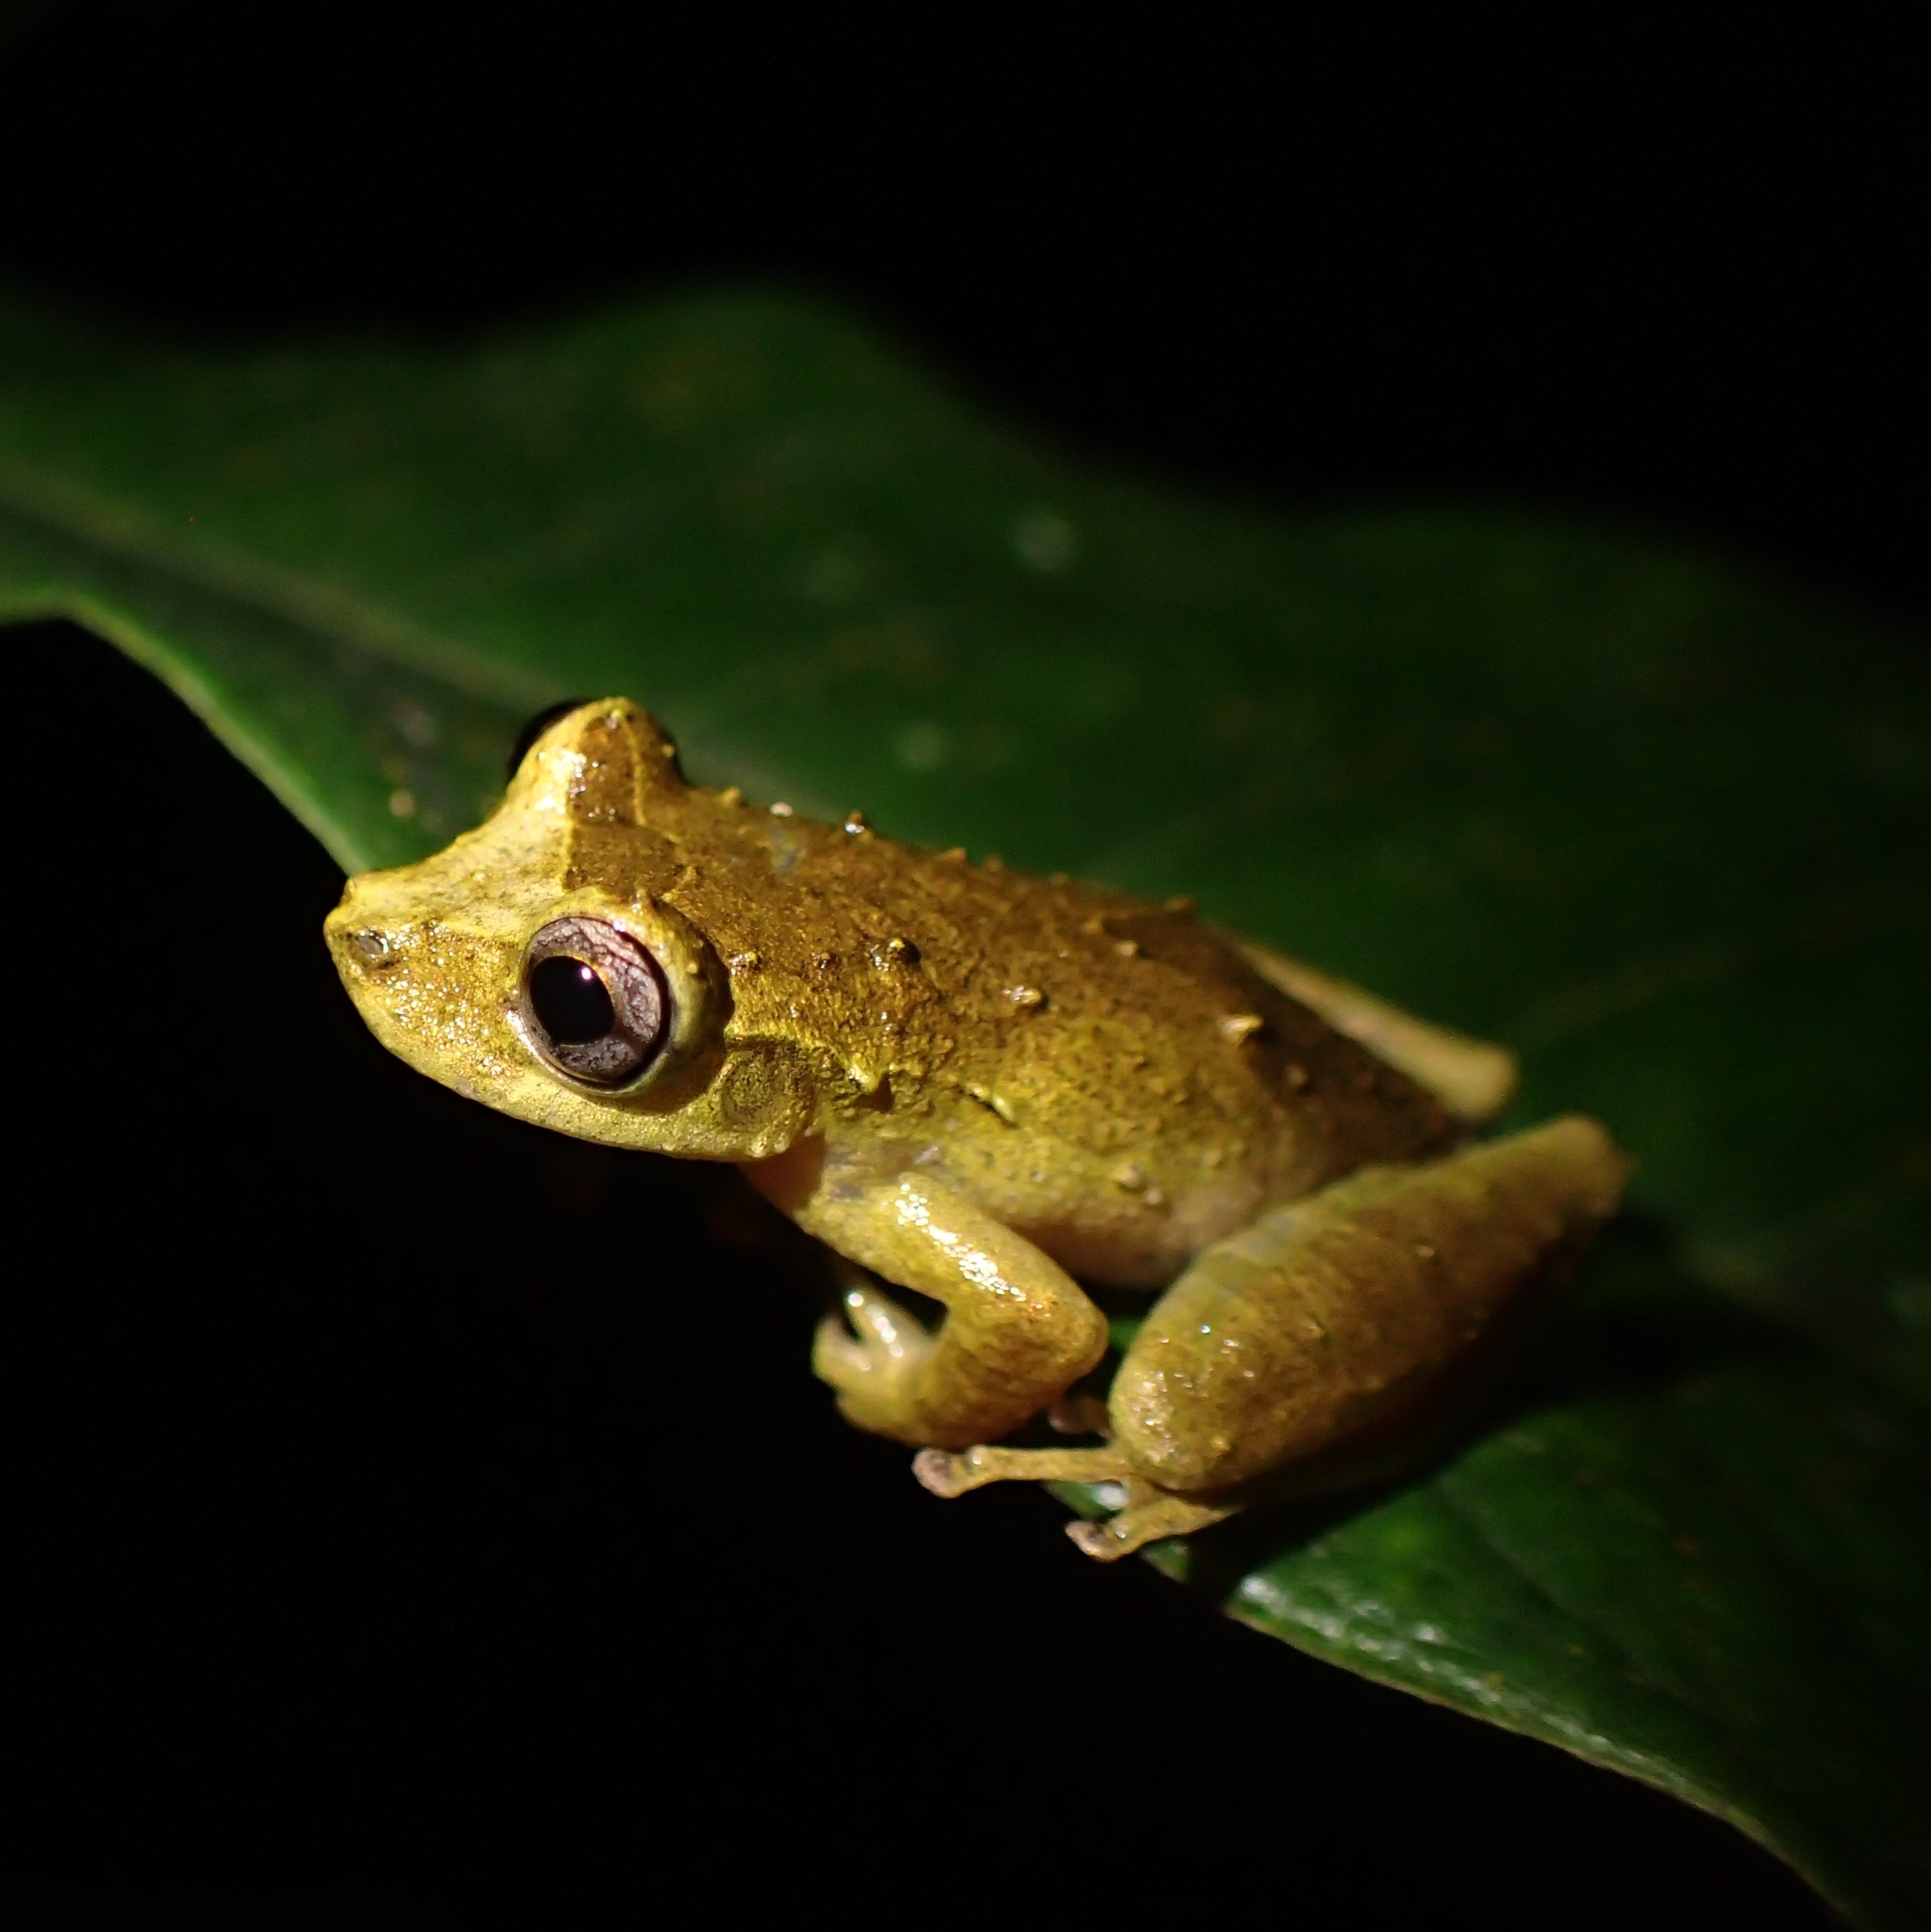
414	1519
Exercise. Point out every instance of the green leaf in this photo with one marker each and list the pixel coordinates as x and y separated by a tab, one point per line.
1662	828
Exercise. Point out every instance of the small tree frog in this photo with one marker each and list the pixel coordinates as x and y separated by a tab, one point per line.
989	1089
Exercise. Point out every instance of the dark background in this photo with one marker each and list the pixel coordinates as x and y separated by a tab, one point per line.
413	1517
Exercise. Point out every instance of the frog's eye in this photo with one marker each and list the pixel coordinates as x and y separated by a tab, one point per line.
594	1000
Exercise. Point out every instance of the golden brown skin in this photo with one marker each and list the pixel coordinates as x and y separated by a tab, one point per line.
986	1088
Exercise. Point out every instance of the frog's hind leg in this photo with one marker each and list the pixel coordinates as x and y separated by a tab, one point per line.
1149	1514
1300	1354
1146	1513
1299	1342
951	1472
1472	1078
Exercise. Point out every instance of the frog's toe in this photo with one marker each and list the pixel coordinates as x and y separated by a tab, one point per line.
875	1362
944	1472
881	1326
882	1345
838	1357
861	1367
1161	1514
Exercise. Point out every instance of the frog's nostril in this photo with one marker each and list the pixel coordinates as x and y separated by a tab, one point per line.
371	947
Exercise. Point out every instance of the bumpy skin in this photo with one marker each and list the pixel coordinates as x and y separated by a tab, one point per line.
979	1085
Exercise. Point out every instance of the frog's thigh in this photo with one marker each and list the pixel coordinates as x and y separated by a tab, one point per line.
1322	1317
1471	1078
1018	1329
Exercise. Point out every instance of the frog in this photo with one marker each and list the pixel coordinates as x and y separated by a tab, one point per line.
1002	1102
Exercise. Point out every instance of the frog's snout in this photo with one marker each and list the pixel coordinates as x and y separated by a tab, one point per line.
357	937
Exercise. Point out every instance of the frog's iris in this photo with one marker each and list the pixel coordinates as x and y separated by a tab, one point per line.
593	1000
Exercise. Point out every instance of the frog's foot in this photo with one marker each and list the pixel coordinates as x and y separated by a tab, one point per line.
1146	1512
1150	1514
949	1472
874	1363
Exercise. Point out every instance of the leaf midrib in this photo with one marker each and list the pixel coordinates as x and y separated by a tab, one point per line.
333	613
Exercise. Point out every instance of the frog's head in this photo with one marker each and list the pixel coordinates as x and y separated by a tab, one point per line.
534	965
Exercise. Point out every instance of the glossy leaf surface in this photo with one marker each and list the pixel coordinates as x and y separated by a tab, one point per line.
1663	830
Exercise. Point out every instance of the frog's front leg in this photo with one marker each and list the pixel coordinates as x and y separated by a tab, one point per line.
1018	1329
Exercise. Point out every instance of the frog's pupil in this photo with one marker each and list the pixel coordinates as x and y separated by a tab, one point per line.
570	1000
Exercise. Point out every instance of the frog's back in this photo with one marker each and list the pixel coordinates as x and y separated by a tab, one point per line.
1161	1092
1107	1075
